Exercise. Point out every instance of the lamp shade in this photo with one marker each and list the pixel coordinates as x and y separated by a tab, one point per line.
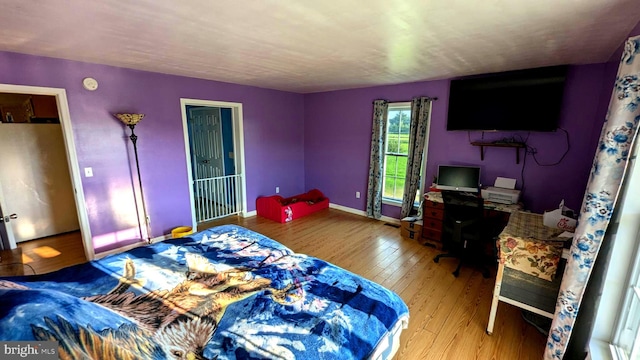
129	119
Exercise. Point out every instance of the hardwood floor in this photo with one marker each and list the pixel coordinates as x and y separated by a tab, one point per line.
448	316
52	253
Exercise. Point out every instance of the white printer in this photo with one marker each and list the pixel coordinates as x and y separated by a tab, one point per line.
503	191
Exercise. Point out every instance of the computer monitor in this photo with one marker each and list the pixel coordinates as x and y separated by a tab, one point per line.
458	178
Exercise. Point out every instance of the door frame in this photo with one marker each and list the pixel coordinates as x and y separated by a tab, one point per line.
72	156
238	147
8	240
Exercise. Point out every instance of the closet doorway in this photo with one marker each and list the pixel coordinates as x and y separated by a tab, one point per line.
215	158
40	188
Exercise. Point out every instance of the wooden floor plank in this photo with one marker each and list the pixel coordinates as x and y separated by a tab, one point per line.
52	253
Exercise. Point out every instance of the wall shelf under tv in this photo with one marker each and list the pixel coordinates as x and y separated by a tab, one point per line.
515	145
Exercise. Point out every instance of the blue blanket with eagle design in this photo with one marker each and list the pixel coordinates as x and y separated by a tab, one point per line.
223	293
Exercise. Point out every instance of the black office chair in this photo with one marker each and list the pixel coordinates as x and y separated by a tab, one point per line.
462	227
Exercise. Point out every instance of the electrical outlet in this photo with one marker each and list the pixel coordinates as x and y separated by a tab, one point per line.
357	194
277	189
88	172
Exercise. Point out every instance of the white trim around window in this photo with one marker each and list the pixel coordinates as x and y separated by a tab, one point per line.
398	202
616	325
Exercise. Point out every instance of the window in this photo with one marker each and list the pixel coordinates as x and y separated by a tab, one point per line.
625	270
626	343
396	154
616	329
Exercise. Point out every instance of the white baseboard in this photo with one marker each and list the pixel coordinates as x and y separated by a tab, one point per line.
131	246
120	249
363	213
347	209
247	214
161	238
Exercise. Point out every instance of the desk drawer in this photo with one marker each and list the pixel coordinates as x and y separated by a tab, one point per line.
433	204
433	213
433	224
431	234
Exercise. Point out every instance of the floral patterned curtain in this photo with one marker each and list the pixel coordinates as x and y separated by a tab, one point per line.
618	134
420	110
376	162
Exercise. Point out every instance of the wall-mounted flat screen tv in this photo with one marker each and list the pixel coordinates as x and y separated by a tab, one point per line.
524	100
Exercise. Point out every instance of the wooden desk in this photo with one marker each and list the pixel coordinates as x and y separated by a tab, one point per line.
11	262
433	214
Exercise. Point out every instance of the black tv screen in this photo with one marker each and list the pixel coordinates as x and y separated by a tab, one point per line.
458	178
528	100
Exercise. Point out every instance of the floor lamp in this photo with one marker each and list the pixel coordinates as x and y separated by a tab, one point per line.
131	120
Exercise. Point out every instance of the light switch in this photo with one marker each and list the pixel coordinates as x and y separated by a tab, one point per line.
88	172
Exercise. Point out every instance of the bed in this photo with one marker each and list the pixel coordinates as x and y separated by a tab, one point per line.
223	293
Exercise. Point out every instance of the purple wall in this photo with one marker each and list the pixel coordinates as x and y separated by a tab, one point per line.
338	135
273	138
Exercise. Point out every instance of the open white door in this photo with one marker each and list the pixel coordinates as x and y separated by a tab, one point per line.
6	234
35	180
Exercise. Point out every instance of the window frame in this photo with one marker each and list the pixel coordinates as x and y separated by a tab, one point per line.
612	313
393	201
629	306
630	302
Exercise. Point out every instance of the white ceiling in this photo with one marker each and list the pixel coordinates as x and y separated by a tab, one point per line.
309	46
